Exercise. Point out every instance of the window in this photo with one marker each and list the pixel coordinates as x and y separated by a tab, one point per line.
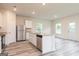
39	27
58	28
72	27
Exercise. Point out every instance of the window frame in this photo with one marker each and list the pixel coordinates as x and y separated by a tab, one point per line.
58	30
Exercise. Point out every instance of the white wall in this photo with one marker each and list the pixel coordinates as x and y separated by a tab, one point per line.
46	23
65	22
20	20
9	25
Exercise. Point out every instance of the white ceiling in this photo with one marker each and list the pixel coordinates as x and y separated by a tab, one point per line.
47	11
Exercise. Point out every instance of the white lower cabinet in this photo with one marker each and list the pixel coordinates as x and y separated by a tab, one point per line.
47	42
33	39
27	36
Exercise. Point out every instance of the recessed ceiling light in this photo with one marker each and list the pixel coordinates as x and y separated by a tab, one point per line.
43	4
33	12
14	8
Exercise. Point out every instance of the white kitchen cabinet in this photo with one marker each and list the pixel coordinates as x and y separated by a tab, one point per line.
28	23
33	39
30	40
27	35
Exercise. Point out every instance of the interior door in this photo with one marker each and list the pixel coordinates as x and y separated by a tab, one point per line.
72	31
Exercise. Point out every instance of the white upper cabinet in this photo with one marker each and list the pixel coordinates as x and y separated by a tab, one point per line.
28	23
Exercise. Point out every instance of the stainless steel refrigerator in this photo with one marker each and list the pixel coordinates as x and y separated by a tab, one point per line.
20	33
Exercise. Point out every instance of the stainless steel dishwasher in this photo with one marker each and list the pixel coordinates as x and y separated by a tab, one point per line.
39	42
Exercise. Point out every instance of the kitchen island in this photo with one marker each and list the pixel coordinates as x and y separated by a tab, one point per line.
43	42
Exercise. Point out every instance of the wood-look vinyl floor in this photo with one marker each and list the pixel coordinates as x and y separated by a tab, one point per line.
65	48
23	48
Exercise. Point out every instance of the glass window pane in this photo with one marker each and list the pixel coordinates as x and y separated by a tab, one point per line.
39	27
72	27
58	28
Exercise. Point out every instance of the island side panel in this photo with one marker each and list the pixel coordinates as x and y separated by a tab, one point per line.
46	44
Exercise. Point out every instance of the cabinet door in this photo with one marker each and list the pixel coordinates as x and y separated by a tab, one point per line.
27	35
33	39
28	24
30	37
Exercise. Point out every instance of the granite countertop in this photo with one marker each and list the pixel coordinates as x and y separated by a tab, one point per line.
2	33
43	34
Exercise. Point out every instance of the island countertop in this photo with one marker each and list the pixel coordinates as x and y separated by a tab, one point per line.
43	34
